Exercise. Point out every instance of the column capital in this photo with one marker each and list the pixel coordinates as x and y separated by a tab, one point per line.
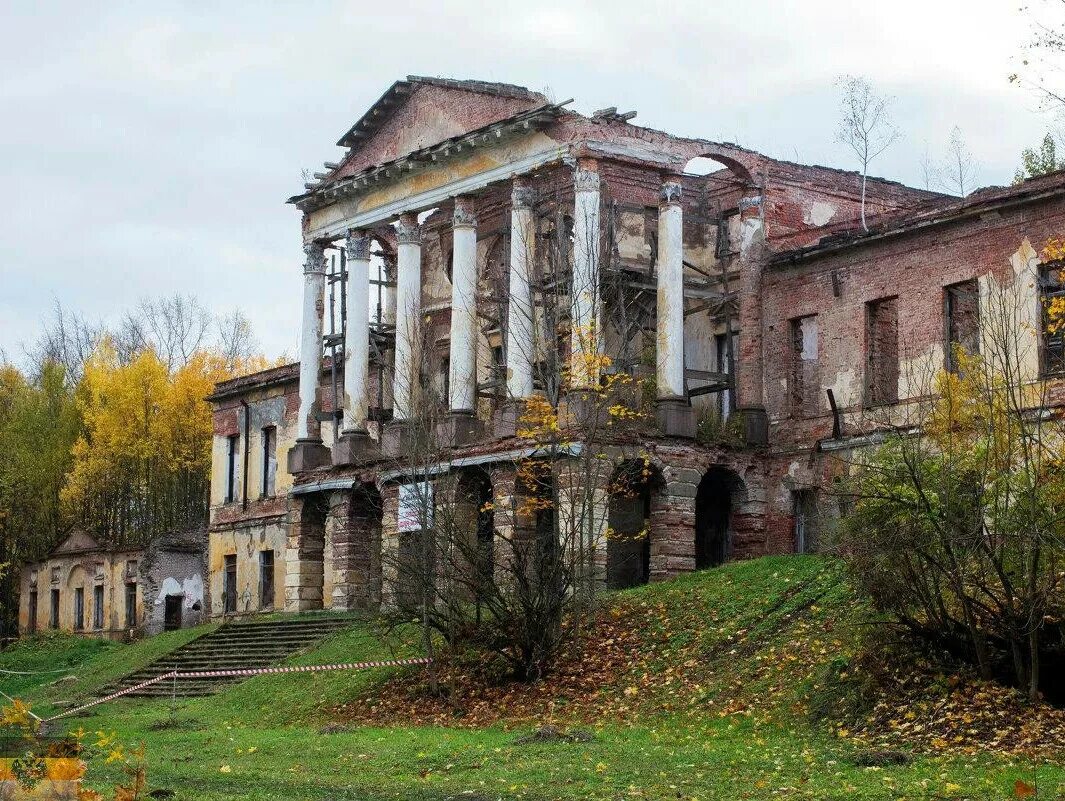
464	216
315	261
408	232
357	245
586	176
670	193
522	194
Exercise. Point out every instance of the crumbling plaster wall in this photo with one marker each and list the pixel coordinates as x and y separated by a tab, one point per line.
246	541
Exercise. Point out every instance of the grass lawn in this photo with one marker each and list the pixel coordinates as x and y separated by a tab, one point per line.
278	737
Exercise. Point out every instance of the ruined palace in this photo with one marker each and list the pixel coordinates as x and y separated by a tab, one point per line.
471	237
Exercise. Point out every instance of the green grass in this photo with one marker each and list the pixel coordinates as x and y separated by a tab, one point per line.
267	738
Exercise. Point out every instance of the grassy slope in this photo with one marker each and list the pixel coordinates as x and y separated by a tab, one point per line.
712	705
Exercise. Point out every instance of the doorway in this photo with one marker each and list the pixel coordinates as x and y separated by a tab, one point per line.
172	612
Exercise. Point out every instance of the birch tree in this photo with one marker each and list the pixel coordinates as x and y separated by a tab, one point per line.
865	125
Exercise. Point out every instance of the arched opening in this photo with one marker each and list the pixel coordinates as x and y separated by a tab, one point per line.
702	165
719	494
628	546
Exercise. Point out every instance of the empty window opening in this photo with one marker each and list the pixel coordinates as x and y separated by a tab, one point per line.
53	616
232	445
79	609
266	579
1051	288
804	380
882	351
229	585
172	612
269	466
98	606
131	604
724	361
804	515
962	320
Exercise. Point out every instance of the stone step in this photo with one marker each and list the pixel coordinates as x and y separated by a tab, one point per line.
245	644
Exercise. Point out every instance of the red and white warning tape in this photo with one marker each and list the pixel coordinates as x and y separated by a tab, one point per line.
201	674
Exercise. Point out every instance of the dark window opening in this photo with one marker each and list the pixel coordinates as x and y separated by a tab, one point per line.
231	467
1051	288
882	351
269	466
229	585
961	304
266	579
804	515
53	618
31	622
131	605
98	606
804	378
79	609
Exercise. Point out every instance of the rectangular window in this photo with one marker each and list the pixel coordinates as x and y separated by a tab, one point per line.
724	362
53	613
269	461
31	621
232	446
266	579
804	379
882	351
804	513
444	381
98	606
229	587
1051	288
79	609
131	604
961	306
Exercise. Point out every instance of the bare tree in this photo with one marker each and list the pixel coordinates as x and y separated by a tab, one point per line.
865	125
236	340
68	339
175	327
956	173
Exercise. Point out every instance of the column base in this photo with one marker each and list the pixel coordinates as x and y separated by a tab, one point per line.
397	439
675	418
307	454
583	409
506	417
459	429
755	425
354	447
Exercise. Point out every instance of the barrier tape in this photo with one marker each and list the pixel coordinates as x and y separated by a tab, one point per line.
197	674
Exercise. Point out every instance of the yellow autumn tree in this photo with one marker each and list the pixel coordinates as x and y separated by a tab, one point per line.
142	465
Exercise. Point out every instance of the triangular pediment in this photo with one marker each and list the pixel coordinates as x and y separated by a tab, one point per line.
420	112
75	542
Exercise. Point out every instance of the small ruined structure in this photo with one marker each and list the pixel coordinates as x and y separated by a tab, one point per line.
761	324
85	588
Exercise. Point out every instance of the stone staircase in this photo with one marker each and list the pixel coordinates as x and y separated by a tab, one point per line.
252	644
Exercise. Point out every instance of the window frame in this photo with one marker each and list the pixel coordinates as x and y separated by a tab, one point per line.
98	607
232	448
1046	338
268	484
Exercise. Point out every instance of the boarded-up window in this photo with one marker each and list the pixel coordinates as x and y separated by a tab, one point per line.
131	604
31	622
53	613
882	351
266	579
232	444
269	461
804	512
98	606
804	380
1051	287
961	304
79	608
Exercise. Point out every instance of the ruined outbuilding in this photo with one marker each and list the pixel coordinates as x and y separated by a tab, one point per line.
118	593
762	323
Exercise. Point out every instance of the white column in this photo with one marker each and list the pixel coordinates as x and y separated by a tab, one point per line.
463	379
408	316
357	334
520	323
670	290
585	337
308	426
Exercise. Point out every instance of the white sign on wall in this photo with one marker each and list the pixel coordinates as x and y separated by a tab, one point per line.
415	505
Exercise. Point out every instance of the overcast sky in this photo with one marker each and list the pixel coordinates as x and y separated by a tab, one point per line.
148	148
